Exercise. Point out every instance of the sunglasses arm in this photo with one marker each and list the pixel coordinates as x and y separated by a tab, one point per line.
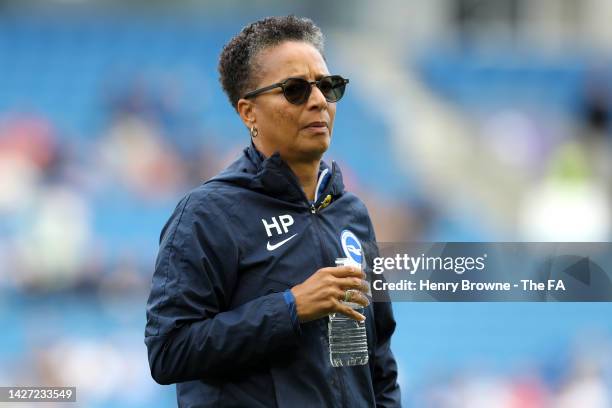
262	90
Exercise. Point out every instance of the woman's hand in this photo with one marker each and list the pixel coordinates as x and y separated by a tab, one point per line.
324	291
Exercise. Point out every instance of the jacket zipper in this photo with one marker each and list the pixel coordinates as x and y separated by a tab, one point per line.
314	210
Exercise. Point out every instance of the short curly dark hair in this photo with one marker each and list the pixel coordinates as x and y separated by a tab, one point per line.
236	62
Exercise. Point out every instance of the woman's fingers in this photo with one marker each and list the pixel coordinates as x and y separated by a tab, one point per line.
323	292
354	296
349	312
353	283
346	271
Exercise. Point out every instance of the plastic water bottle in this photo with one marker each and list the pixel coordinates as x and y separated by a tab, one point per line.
348	342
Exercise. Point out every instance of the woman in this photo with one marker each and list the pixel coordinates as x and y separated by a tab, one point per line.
244	279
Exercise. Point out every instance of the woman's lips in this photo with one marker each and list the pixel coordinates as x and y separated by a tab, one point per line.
317	126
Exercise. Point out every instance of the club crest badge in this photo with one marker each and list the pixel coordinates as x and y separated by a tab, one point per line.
351	246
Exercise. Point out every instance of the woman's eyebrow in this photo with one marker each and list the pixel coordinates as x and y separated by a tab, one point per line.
304	76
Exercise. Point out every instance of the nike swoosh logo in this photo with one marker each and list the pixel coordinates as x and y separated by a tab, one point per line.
278	244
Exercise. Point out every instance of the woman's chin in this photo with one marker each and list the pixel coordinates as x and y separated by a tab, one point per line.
319	144
314	148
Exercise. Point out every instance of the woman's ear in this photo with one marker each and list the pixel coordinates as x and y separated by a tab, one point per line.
246	110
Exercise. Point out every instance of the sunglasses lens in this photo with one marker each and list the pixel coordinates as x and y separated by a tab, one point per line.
332	87
296	90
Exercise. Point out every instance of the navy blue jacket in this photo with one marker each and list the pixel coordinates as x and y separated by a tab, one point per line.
219	324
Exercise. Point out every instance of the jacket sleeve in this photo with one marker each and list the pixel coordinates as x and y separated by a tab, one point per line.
384	367
190	333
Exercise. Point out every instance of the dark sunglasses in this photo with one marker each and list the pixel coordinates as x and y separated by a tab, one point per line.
297	90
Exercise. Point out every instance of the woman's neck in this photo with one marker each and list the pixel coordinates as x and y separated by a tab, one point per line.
307	174
306	171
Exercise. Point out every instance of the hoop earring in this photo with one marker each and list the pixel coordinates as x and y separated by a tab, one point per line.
254	132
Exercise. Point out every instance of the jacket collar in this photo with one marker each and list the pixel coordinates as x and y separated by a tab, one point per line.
274	177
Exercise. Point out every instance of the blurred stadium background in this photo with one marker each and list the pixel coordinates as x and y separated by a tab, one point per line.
465	120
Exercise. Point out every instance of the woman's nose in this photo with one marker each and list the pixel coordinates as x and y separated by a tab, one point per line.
316	98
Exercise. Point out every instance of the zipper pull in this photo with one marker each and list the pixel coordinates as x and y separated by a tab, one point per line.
325	202
313	210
